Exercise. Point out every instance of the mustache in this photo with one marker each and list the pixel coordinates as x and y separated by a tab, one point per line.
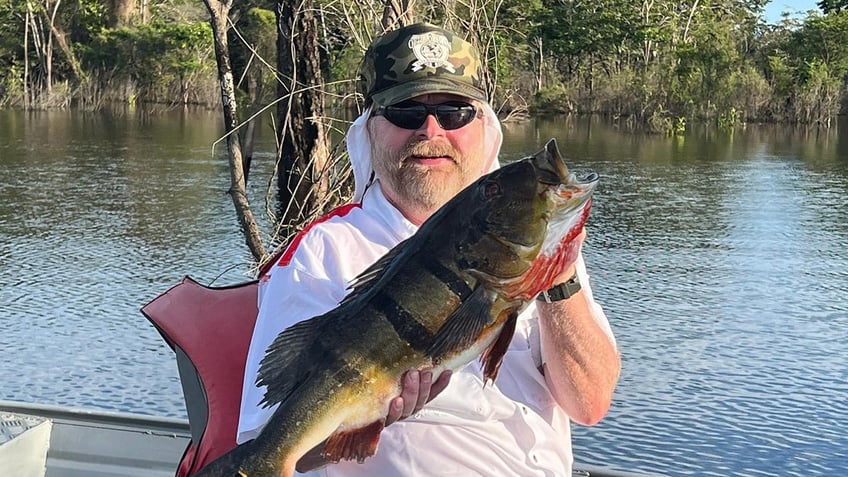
430	149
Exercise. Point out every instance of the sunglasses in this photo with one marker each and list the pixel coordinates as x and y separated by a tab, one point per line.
411	115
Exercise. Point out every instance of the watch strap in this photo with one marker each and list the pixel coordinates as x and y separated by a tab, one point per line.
563	291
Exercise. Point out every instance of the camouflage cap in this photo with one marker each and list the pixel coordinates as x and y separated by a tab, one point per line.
420	59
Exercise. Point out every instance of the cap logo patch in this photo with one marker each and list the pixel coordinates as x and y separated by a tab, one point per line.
431	50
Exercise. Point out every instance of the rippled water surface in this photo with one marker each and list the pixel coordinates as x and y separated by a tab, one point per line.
720	260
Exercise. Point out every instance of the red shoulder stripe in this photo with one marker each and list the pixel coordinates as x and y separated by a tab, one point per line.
286	254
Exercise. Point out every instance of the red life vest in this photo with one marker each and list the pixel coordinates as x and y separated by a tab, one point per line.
209	329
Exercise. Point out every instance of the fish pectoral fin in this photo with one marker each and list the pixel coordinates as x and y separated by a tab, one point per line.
463	327
356	444
493	356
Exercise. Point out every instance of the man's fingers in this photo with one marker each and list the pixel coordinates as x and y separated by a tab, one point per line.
440	384
425	380
410	391
395	411
417	389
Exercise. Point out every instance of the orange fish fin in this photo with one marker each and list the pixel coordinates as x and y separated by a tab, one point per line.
493	356
356	444
464	325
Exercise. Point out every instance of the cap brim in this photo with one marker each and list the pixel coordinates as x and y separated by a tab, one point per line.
433	85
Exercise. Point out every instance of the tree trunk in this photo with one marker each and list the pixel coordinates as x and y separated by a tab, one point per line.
144	12
397	14
123	12
248	134
62	40
26	60
303	154
219	12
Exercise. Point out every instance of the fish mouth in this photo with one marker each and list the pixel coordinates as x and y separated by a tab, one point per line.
550	166
570	197
553	173
576	188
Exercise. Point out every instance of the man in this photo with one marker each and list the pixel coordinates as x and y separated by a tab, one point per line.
427	132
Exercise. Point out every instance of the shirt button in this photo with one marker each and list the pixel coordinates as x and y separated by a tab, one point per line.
534	457
524	410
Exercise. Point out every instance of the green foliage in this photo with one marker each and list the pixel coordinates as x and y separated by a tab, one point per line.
88	19
822	39
155	56
11	85
655	61
557	99
581	28
150	51
748	95
817	99
832	6
11	31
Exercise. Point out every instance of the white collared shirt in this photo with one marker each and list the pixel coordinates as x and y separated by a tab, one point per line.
511	427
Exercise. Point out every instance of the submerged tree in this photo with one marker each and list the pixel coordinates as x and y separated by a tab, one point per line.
219	16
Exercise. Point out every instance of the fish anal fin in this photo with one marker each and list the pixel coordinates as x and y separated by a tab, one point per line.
356	444
463	326
493	356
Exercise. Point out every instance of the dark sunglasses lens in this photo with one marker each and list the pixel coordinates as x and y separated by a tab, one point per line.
412	116
455	117
407	117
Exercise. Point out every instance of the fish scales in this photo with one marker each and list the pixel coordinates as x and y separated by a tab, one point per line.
450	293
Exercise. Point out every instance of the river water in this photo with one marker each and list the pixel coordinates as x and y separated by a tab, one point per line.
719	257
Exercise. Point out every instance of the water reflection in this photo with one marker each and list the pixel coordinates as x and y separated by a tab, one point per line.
719	258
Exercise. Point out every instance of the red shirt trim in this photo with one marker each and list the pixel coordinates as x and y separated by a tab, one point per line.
286	255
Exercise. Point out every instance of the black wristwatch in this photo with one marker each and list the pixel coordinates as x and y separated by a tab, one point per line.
563	291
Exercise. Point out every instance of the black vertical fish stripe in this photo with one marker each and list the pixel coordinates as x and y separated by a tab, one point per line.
454	282
405	324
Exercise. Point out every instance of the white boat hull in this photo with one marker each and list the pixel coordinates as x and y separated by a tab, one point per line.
75	443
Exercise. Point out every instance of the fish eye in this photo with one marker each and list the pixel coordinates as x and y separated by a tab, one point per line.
491	190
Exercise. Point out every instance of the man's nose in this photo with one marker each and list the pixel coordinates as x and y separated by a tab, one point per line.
431	127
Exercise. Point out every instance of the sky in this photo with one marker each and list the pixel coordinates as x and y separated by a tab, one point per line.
776	7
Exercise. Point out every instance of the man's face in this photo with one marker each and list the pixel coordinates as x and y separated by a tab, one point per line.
421	169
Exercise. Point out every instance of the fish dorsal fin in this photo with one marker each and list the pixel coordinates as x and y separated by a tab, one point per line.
286	362
464	325
384	268
493	356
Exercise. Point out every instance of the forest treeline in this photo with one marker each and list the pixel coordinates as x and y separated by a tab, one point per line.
658	63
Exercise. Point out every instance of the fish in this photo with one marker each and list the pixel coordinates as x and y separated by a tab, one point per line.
449	294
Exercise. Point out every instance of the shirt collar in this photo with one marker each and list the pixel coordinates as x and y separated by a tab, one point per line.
375	202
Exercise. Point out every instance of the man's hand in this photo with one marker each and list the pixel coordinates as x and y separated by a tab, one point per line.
417	389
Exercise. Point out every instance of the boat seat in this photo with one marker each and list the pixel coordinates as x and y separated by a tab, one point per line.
209	329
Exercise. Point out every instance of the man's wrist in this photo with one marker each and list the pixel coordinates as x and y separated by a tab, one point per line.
563	291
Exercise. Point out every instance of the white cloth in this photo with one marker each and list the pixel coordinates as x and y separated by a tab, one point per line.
359	148
511	427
